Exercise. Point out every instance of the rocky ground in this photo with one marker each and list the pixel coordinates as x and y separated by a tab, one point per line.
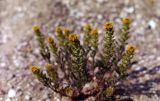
17	42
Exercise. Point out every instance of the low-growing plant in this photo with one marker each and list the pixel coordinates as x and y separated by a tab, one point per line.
77	69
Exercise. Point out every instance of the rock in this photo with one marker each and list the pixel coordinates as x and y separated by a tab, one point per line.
11	93
27	97
8	99
152	24
66	99
3	64
130	10
91	99
100	1
90	88
47	100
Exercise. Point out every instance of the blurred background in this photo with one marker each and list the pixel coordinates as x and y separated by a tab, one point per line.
18	48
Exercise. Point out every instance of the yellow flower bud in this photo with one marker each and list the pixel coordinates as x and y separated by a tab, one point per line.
67	31
58	30
35	69
49	67
109	91
73	37
50	40
36	29
88	27
94	32
126	20
69	91
130	49
108	26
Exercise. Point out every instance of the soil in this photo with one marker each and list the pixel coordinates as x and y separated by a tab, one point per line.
18	49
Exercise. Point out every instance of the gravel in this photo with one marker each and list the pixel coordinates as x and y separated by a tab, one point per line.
18	47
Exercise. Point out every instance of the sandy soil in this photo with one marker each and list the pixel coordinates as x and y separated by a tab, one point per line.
16	38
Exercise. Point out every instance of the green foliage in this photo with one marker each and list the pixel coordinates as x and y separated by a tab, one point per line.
78	64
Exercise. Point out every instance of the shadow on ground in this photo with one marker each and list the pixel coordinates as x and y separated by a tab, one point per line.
147	87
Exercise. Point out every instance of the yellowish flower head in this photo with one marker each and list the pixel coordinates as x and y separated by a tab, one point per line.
88	27
58	30
67	31
108	26
49	67
109	91
50	40
73	37
36	29
130	49
69	91
35	69
126	20
94	32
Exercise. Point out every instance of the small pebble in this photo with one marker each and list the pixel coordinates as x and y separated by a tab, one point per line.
2	64
100	17
100	1
11	93
152	24
27	97
130	10
8	99
48	100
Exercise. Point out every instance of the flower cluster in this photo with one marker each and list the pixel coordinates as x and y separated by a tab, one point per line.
126	21
50	40
108	26
36	29
35	69
73	37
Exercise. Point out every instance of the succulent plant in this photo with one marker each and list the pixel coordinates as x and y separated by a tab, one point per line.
84	76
